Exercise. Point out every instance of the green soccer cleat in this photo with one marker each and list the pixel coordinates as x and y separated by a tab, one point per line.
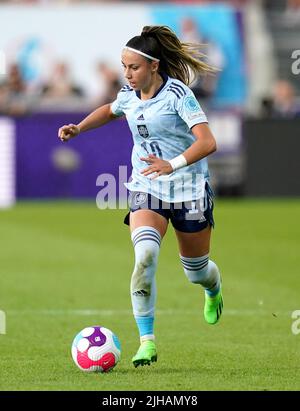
146	354
213	308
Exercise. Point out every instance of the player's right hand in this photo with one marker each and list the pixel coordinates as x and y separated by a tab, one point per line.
67	132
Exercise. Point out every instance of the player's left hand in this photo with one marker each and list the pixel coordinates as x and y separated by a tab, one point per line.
157	166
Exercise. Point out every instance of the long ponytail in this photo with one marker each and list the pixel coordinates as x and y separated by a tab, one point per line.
182	61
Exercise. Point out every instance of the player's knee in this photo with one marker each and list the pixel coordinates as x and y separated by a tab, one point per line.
196	268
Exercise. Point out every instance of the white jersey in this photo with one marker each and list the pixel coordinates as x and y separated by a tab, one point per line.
162	126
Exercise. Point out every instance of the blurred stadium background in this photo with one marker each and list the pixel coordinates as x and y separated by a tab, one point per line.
51	76
61	59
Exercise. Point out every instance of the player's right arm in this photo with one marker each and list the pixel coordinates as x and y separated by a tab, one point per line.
97	118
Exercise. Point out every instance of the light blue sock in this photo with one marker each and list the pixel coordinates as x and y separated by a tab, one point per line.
201	270
146	242
146	327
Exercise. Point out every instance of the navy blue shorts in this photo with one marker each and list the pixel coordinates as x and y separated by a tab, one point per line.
188	217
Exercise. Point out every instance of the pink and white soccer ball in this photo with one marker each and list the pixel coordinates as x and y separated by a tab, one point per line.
96	349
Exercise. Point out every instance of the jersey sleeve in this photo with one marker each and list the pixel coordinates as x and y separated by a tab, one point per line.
117	106
190	110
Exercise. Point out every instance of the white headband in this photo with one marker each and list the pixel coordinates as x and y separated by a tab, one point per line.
141	53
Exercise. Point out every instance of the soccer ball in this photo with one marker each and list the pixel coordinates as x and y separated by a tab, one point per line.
96	349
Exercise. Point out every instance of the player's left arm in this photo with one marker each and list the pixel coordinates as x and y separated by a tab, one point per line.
203	145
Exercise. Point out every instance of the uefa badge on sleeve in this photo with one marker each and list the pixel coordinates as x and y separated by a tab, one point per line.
192	107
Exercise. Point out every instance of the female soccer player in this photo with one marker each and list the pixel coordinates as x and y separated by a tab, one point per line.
170	174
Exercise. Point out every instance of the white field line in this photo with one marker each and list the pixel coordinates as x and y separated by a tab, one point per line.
124	312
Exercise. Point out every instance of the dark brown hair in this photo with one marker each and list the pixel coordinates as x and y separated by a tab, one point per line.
182	61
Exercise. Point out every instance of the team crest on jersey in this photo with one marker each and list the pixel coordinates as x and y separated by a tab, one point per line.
143	131
140	198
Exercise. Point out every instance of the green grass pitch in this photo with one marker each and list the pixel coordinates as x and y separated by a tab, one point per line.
65	266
